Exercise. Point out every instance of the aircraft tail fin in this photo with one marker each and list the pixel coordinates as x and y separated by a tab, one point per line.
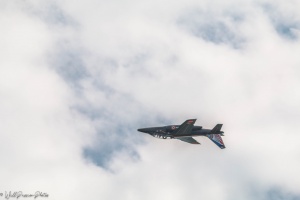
215	136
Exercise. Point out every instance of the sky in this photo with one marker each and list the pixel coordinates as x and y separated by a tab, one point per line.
77	79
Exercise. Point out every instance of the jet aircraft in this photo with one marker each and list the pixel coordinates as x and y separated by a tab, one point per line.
186	131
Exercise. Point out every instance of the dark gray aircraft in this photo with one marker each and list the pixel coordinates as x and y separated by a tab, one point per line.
186	131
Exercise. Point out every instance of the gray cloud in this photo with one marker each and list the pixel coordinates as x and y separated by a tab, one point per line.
273	193
218	28
286	24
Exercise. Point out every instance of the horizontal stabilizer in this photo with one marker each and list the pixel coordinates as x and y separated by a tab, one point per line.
216	129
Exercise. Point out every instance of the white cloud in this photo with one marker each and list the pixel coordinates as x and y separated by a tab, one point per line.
80	77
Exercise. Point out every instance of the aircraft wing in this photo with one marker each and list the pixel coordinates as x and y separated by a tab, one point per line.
185	128
188	140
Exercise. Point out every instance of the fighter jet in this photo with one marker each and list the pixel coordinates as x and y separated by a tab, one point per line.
186	131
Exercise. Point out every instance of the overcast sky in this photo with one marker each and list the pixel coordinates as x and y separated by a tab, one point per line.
78	78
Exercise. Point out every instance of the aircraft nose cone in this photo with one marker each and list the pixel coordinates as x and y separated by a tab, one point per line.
142	130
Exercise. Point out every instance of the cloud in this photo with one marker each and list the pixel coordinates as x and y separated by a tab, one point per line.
284	19
78	78
219	28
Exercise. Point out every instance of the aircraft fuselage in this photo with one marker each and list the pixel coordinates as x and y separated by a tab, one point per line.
165	132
